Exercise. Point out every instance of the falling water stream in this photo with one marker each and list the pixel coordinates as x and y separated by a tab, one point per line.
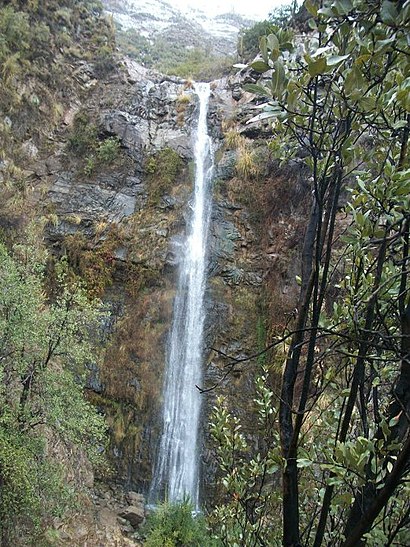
176	473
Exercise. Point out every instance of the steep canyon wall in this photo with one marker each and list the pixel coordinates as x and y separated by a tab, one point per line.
119	219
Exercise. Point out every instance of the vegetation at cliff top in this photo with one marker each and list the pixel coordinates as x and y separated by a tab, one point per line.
171	57
162	170
197	62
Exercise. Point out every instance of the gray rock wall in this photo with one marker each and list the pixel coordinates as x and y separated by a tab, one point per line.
128	240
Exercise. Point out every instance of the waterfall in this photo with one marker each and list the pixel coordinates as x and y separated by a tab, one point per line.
176	472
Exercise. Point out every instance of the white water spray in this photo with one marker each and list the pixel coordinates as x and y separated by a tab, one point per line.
176	473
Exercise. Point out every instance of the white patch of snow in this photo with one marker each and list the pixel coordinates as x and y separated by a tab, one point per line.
150	17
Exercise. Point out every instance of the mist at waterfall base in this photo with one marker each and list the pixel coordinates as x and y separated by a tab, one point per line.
176	472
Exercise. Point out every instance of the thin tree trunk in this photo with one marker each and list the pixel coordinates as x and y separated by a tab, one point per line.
291	533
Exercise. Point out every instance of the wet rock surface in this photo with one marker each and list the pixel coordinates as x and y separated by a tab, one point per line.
254	234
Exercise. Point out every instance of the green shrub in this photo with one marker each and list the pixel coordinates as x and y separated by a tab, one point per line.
173	525
248	39
162	170
83	140
89	165
281	18
108	150
14	32
83	136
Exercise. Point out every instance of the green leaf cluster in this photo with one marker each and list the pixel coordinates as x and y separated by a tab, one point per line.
246	512
84	140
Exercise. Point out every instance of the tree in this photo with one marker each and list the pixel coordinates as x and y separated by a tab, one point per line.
44	347
282	17
344	405
248	39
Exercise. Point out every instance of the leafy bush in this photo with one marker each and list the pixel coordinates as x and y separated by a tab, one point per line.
14	32
281	18
248	39
284	15
103	152
108	149
162	170
342	450
43	351
83	136
89	165
174	525
84	140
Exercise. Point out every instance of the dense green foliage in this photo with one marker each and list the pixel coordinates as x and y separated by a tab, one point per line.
340	441
96	150
248	38
44	347
174	525
283	15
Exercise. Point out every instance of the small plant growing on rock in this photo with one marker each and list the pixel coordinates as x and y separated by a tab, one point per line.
162	169
89	165
108	150
233	139
246	165
182	102
83	135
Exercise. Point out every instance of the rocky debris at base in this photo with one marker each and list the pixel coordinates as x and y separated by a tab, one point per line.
109	518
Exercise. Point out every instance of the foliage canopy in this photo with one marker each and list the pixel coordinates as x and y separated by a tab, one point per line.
338	101
44	347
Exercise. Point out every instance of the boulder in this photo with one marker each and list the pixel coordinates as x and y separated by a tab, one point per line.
134	515
133	498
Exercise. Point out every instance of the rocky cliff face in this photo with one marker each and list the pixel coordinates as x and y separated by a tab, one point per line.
120	223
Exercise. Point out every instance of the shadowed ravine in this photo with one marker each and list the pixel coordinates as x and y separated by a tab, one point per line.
176	470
